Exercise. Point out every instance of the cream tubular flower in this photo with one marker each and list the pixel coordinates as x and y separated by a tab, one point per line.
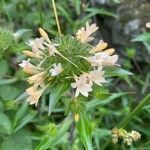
109	51
37	79
30	54
96	76
110	60
56	70
52	49
103	58
84	34
95	60
36	44
99	47
81	85
29	68
34	95
37	47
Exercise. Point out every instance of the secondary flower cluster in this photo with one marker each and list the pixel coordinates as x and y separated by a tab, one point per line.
66	59
128	137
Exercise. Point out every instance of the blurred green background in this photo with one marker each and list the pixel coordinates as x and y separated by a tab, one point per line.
122	24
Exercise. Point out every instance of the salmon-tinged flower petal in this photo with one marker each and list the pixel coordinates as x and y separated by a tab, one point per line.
31	54
109	51
38	43
84	34
28	67
103	58
99	47
37	79
96	76
37	47
34	97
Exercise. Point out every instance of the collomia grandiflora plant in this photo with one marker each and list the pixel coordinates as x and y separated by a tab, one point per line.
66	59
70	60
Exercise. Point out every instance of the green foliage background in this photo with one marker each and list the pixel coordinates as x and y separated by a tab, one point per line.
50	125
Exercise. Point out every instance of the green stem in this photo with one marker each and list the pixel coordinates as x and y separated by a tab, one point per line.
56	17
125	121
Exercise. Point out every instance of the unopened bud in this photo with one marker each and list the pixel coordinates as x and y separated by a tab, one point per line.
44	34
29	53
99	47
76	117
110	51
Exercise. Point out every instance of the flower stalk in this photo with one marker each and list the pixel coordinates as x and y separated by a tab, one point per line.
56	17
134	112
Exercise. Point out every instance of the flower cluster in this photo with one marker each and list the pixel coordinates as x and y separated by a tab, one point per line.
66	59
128	137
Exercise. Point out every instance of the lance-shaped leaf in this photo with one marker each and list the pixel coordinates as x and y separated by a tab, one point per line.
55	95
112	71
97	102
85	131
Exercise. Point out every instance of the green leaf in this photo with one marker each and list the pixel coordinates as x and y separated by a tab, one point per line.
147	45
26	119
101	11
20	113
145	37
18	141
85	131
21	97
1	105
97	102
5	124
110	72
77	4
4	67
55	95
49	140
10	92
65	13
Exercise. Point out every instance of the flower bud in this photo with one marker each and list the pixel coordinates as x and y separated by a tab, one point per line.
44	34
30	54
76	117
99	47
110	51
